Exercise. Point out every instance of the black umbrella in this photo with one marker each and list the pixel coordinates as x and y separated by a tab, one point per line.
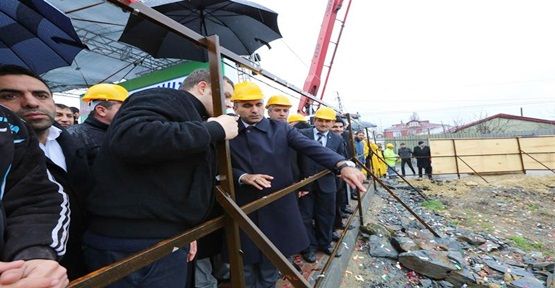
36	35
242	27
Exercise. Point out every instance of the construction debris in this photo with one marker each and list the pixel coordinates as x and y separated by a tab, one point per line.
460	258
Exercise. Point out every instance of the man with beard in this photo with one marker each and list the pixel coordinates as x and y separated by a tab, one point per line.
31	99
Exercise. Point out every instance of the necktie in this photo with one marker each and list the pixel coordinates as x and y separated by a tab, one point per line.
319	139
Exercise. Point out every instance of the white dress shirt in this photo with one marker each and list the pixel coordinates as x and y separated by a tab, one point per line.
52	148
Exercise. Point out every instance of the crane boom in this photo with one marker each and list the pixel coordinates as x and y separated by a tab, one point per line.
313	81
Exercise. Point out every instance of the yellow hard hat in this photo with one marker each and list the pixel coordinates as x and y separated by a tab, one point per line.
279	100
325	113
105	92
389	145
246	91
295	118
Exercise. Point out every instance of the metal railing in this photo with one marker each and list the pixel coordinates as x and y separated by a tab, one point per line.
234	217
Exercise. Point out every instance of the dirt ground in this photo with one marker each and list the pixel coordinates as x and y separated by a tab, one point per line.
517	208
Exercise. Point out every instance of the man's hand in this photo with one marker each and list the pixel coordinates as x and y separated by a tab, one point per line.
32	274
38	268
353	177
11	272
192	251
259	181
229	123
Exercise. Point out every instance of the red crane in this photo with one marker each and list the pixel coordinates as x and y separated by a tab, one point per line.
313	80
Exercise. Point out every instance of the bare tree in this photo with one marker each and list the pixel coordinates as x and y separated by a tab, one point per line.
492	126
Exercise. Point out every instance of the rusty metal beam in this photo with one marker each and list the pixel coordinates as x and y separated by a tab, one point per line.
404	179
533	158
120	269
475	172
224	163
261	241
520	155
352	144
403	203
456	161
111	273
370	154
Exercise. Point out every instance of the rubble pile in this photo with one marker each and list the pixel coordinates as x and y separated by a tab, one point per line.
401	252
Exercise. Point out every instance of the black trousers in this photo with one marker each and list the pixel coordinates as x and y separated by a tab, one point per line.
406	161
318	212
427	169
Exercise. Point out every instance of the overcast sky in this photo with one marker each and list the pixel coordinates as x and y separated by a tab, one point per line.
446	60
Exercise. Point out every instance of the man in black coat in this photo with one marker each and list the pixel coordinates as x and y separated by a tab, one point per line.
33	210
65	158
154	175
106	100
423	159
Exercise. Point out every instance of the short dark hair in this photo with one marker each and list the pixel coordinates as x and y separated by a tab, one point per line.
403	143
74	109
339	120
420	142
61	106
9	69
200	75
302	125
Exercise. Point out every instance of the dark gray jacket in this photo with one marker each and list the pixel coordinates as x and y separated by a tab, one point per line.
404	153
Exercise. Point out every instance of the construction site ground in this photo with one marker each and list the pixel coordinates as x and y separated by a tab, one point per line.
517	210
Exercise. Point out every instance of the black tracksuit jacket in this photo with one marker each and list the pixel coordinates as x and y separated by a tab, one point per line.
34	211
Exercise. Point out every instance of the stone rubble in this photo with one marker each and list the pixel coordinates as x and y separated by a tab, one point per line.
460	258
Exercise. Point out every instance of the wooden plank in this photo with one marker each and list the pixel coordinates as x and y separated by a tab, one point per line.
546	159
486	146
441	147
438	149
479	154
537	144
490	163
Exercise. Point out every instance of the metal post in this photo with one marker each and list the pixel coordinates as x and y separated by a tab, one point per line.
261	241
403	204
520	153
370	154
456	160
224	163
404	179
538	161
352	143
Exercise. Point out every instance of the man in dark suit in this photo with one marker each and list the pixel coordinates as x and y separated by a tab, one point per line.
423	159
261	165
318	205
